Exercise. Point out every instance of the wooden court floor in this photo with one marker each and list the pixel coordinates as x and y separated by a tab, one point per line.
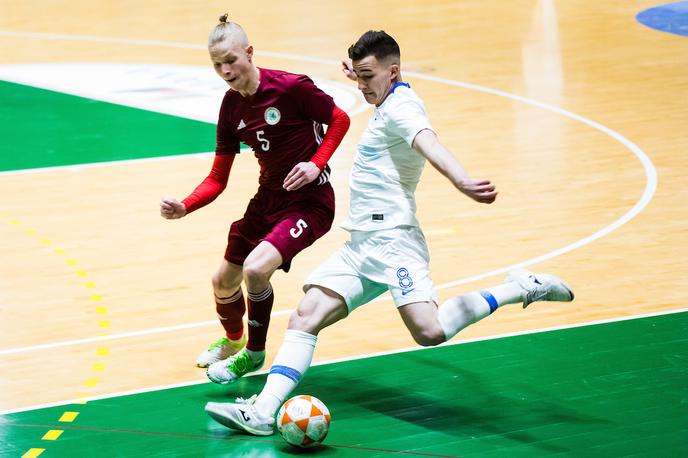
575	110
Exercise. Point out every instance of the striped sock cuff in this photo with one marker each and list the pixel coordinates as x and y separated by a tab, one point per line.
228	300
288	372
257	297
491	301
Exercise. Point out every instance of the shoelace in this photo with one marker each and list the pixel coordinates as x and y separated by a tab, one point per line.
536	295
250	401
241	362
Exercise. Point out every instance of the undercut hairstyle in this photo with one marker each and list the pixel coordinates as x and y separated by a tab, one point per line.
375	43
226	29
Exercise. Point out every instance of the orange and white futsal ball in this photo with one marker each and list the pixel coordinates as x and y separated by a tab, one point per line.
303	421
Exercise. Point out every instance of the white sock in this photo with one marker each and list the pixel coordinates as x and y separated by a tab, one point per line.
292	361
459	312
506	293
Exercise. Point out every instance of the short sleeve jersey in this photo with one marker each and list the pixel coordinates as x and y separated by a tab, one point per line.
387	169
281	122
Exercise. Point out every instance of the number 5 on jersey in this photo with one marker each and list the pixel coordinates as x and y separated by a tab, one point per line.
264	142
298	230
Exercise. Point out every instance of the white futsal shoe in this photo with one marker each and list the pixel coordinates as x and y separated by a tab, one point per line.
221	349
242	416
540	287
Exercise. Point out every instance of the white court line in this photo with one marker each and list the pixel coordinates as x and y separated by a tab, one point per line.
350	358
650	171
124	335
92	165
164	44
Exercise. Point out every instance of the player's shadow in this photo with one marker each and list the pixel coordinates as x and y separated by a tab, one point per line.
452	399
459	402
245	387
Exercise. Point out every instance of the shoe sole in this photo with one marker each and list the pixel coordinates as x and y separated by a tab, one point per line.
229	423
211	362
218	359
227	382
568	288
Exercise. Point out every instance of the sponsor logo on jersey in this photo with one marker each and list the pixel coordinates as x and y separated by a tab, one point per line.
272	116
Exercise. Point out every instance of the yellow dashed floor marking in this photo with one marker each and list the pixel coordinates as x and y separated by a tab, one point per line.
68	417
52	434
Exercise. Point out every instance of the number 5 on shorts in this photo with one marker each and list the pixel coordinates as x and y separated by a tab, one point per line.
298	230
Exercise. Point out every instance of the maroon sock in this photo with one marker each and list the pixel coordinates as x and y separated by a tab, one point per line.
259	308
230	311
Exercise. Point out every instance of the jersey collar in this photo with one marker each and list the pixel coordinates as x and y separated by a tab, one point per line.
400	83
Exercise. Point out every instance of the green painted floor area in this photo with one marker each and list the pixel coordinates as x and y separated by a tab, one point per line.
609	390
41	128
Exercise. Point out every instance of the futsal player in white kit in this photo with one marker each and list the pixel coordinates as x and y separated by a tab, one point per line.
387	250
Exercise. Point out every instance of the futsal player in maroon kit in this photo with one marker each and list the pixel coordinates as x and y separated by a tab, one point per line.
280	116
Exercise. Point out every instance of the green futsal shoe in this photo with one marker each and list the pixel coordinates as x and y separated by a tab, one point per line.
221	349
234	367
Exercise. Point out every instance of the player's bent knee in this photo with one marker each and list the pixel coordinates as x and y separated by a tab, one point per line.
428	338
317	311
225	284
256	272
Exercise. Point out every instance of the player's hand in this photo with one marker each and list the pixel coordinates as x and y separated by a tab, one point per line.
302	174
171	208
348	69
479	190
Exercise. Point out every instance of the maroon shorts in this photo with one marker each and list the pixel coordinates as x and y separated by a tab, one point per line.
290	221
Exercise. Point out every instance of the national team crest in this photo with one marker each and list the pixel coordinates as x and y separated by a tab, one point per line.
272	116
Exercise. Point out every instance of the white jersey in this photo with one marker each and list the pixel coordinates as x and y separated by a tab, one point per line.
386	170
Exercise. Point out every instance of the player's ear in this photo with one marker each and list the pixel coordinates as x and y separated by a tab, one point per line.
249	52
394	72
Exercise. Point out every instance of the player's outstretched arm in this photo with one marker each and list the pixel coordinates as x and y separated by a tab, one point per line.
427	144
206	192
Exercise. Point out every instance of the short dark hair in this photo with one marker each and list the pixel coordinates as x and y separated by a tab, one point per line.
374	43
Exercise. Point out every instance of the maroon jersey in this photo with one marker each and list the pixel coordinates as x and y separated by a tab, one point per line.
281	122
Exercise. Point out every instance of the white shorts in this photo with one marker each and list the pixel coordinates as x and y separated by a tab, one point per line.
373	262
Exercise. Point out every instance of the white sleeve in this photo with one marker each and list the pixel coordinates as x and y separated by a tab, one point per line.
407	119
